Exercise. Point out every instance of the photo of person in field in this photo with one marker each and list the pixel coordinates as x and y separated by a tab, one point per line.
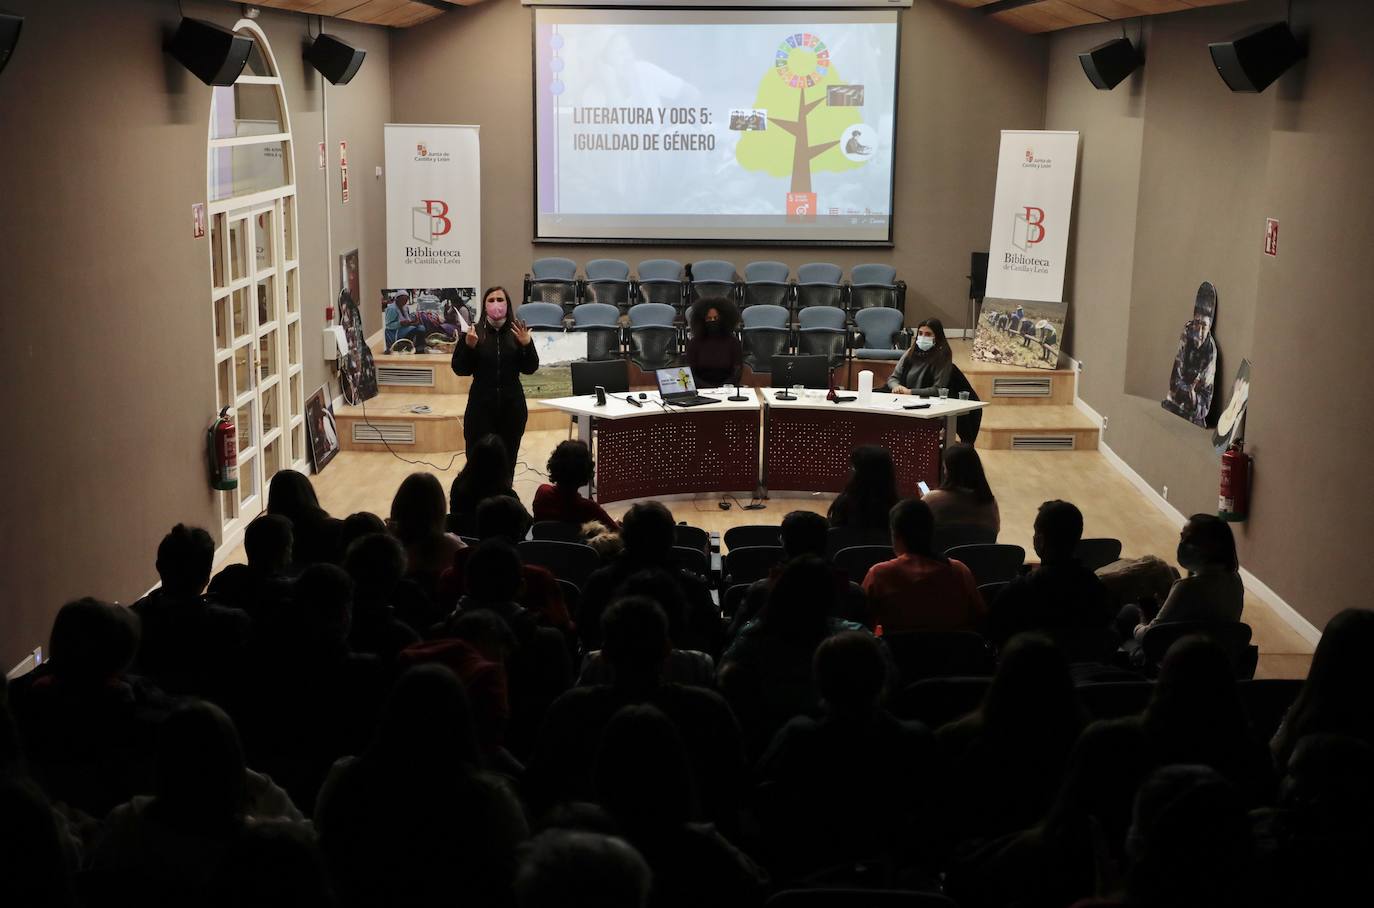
1018	333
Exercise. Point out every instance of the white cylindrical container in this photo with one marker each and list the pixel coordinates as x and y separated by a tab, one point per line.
866	387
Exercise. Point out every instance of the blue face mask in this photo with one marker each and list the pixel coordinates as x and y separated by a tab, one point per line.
924	343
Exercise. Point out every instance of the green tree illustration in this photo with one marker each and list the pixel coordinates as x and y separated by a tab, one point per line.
810	141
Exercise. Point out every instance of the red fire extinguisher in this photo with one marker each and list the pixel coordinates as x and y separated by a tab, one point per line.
224	453
1233	501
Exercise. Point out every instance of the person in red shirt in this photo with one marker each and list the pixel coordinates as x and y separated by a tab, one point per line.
570	468
920	590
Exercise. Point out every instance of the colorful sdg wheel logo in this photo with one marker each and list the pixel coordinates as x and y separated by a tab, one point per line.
802	60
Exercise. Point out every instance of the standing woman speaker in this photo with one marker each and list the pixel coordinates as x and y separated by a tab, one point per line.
496	352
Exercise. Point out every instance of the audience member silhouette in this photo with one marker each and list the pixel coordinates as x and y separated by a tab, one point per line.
1059	594
964	498
503	517
486	472
357	525
314	534
412	820
1338	695
766	674
637	647
538	668
869	494
376	564
644	781
272	865
570	468
259	587
37	865
920	590
685	666
168	845
1081	837
87	726
1212	590
189	646
417	520
564	868
312	700
1195	716
854	784
648	533
801	533
1030	711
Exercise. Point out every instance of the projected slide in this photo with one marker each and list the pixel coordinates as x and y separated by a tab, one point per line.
715	125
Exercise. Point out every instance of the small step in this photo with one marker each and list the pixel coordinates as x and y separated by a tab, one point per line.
410	372
391	420
1044	428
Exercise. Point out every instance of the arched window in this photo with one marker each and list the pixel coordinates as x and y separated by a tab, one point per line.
255	278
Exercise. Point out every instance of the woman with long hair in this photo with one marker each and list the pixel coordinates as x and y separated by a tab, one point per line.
964	497
486	473
417	520
871	492
496	352
1338	696
927	364
713	350
315	535
1212	590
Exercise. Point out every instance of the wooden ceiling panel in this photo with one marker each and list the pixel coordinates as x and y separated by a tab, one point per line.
394	13
1047	16
1051	15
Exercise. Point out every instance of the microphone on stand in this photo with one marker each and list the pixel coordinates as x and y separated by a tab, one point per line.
785	394
736	395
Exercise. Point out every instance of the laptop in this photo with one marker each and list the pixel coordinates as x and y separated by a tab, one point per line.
677	387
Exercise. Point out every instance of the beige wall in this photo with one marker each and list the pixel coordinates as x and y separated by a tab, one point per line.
106	354
1177	177
963	79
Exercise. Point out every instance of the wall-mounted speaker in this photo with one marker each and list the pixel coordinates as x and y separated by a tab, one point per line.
9	34
1108	64
214	53
1252	60
338	62
978	276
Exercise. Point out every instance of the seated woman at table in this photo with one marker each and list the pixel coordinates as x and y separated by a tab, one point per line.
713	350
570	468
871	492
927	365
964	497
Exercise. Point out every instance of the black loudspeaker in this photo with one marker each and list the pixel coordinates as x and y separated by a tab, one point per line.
336	61
1107	64
978	276
9	35
1252	60
214	53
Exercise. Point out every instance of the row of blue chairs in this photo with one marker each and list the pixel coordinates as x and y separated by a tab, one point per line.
654	339
667	281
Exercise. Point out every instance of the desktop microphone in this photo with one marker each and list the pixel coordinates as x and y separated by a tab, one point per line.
633	400
736	395
785	394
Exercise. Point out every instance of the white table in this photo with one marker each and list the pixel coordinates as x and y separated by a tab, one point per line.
808	440
658	449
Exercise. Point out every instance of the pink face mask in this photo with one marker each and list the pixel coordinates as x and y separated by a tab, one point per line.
496	310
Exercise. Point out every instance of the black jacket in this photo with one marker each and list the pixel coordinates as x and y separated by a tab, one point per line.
496	363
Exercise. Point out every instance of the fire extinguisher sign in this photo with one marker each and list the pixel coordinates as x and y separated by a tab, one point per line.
1271	237
343	171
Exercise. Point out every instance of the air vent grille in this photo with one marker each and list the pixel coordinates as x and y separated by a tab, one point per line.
1022	387
394	433
1042	443
406	376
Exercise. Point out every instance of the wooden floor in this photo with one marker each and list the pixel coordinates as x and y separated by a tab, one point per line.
357	481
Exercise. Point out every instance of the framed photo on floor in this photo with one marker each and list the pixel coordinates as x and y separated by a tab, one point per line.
319	424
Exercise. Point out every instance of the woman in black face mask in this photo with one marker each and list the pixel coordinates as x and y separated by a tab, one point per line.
1212	589
713	350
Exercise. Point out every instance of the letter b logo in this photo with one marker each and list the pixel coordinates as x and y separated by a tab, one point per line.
437	210
1035	225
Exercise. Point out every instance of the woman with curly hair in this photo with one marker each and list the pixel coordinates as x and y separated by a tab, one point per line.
570	468
713	350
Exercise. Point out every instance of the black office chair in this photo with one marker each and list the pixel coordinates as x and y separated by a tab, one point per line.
752	534
989	563
1231	636
571	561
751	562
940	654
611	374
1097	553
692	537
557	530
937	701
856	560
950	535
844	537
693	559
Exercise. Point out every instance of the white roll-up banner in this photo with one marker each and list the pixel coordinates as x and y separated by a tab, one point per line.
1030	217
433	207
